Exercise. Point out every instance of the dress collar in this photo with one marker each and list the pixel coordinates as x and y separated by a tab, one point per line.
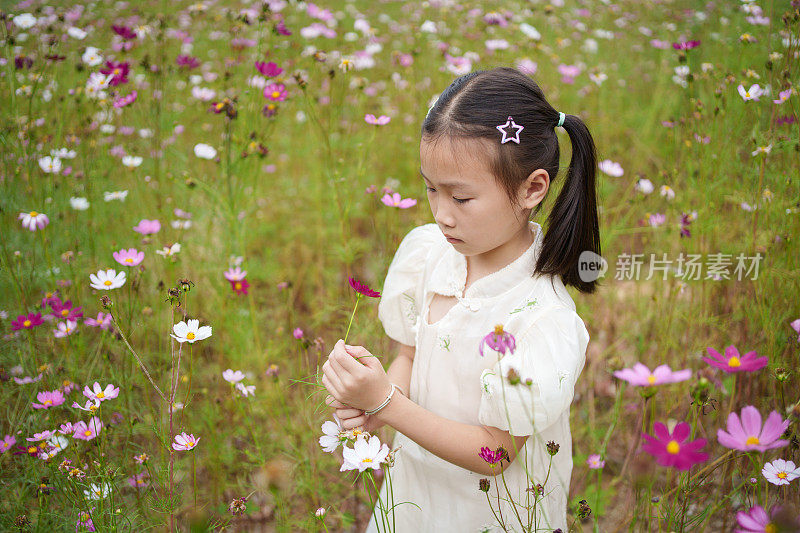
449	276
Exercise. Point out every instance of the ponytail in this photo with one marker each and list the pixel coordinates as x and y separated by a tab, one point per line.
573	226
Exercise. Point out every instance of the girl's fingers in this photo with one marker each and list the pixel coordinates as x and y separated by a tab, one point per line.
348	413
350	423
333	402
333	378
330	386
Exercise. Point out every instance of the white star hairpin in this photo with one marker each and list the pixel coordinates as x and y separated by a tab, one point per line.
506	136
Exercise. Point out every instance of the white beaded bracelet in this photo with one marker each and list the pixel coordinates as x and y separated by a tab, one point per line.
385	402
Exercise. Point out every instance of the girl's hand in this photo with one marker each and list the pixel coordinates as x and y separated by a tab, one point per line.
355	377
350	417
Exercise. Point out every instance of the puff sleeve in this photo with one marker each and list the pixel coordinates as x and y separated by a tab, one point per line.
401	297
550	353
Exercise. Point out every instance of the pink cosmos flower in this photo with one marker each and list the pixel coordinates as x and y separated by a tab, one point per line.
27	379
185	442
394	200
130	257
275	92
685	45
380	121
84	431
85	522
499	340
48	399
796	326
65	328
756	520
657	219
126	100
188	62
44	435
640	375
235	274
147	227
67	428
268	69
297	333
595	462
568	73
672	449
33	220
7	442
65	310
783	96
99	393
103	321
747	434
139	481
28	321
362	289
733	362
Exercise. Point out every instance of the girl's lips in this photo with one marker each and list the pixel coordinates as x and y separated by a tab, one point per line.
452	240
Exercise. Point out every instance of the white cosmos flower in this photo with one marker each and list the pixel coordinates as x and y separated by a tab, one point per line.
364	454
611	168
97	492
92	56
107	279
169	251
644	186
780	472
63	153
203	93
233	376
50	164
667	192
79	203
246	390
530	32
57	443
190	331
65	328
205	151
24	21
91	405
33	220
76	33
131	161
114	195
330	440
181	224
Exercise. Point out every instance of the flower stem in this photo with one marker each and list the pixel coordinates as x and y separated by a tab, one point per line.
358	299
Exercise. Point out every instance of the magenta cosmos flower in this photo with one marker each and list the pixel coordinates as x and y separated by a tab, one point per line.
130	257
491	457
275	92
380	121
124	101
685	45
118	72
65	310
147	227
29	321
239	286
733	362
48	399
498	340
641	375
268	69
747	434
672	449
362	289
185	442
394	200
188	62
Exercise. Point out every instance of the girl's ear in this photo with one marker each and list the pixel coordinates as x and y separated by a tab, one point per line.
535	188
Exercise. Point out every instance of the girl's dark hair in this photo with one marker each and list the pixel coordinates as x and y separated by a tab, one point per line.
475	104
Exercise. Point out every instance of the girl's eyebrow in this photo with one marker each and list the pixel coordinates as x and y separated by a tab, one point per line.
448	184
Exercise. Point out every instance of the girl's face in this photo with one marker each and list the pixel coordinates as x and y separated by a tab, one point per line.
468	204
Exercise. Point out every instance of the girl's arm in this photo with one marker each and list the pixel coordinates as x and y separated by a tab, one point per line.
454	442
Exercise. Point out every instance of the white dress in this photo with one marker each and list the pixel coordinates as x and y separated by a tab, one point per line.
450	378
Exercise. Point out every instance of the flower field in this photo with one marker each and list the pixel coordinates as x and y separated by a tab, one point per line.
199	199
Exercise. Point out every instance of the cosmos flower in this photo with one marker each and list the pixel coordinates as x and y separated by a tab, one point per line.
753	93
362	289
191	331
205	151
611	168
331	438
34	220
756	520
595	462
380	121
107	279
268	69
733	362
7	442
55	444
235	274
103	321
232	376
275	92
185	442
65	310
492	456
84	431
364	454
29	321
498	340
780	472
673	449
124	101
246	390
118	72
685	45
640	375
747	434
147	227
97	492
50	165
91	56
130	257
187	62
65	328
99	393
240	286
783	96
48	399
394	200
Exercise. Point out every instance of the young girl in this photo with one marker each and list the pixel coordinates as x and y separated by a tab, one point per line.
488	153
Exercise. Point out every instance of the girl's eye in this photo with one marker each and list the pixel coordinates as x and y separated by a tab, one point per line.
458	200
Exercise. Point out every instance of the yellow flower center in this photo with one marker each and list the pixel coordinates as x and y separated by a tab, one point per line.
88	433
366	460
782	475
34	214
651	379
271	107
190	335
94	408
48	402
68	330
220	105
734	362
238	285
32	449
116	71
100	394
673	447
190	444
498	329
27	323
752	440
770	528
98	492
64	312
129	260
107	282
275	94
